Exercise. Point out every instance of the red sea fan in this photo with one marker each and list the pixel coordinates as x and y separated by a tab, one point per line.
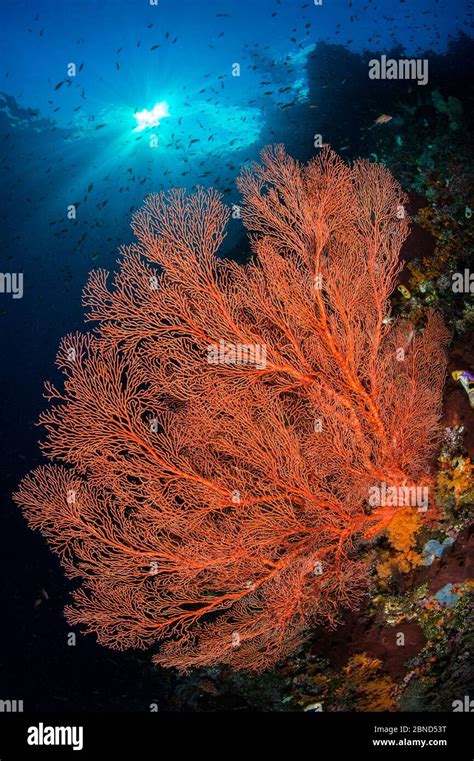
223	426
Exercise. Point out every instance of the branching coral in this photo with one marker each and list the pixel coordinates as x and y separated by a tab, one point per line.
222	427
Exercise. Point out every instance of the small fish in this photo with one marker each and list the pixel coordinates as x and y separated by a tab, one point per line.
404	291
382	119
43	596
60	84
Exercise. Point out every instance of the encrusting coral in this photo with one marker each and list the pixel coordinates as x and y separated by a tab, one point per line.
401	535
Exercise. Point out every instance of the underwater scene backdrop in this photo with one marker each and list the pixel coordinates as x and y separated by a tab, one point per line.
103	103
